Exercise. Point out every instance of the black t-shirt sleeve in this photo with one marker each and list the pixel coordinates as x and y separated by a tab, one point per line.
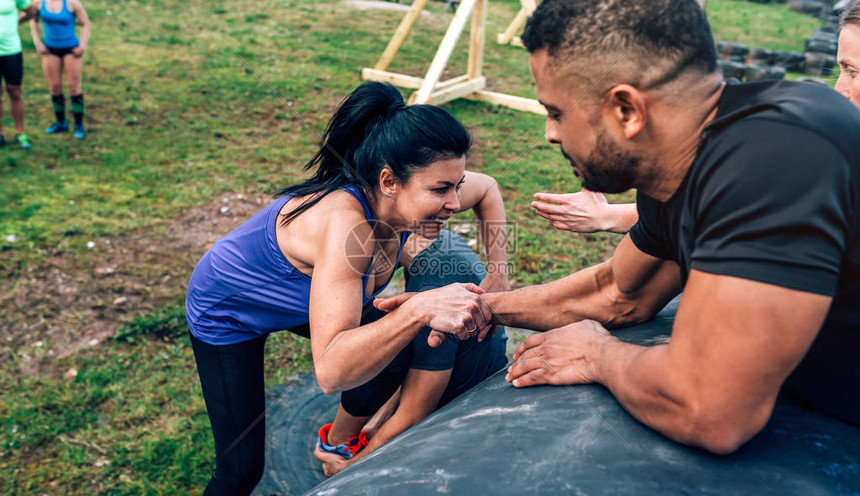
648	233
427	358
774	206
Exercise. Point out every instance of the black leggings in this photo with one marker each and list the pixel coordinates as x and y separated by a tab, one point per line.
365	400
231	377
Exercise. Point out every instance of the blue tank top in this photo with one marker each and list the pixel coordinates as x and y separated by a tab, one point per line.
244	286
59	27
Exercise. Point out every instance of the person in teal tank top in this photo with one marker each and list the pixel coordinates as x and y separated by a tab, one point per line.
62	50
12	64
313	261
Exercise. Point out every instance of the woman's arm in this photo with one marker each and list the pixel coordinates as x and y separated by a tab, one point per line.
28	12
86	26
481	193
585	211
346	355
34	31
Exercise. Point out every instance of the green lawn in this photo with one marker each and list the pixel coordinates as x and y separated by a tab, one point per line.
175	120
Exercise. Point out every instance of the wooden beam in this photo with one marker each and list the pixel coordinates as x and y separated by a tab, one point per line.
449	42
514	102
513	27
476	40
400	34
460	90
404	81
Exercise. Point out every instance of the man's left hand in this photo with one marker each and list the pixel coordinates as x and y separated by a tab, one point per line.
566	355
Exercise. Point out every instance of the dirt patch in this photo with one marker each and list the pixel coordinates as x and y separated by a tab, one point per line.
69	302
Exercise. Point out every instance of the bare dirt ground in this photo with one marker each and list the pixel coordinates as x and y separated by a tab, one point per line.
68	302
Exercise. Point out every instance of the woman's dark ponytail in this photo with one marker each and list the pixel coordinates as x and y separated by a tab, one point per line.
373	128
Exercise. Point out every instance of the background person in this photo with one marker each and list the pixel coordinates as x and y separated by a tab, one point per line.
62	50
430	377
314	259
12	65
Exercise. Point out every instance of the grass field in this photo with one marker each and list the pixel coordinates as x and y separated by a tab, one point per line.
176	122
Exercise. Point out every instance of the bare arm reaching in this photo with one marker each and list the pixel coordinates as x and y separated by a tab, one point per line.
714	385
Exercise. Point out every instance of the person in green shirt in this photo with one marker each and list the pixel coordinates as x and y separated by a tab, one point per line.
12	64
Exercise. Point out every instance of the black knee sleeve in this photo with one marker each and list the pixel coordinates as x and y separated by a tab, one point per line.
59	104
78	108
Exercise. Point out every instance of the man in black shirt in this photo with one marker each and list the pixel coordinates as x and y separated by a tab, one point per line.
749	202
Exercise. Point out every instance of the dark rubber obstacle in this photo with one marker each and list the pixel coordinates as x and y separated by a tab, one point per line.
496	439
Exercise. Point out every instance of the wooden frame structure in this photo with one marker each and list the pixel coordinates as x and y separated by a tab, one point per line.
429	88
508	37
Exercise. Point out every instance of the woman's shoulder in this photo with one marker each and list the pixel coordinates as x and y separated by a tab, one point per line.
338	210
74	6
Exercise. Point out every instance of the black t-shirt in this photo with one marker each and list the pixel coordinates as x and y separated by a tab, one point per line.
773	195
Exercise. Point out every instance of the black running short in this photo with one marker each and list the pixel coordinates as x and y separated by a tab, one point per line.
12	69
60	52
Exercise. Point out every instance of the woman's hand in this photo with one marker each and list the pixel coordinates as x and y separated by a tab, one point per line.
78	51
331	463
496	282
42	49
584	212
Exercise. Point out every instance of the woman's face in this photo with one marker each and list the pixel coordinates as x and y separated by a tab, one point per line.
848	58
426	201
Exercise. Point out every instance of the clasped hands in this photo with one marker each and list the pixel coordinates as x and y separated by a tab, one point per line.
455	309
566	355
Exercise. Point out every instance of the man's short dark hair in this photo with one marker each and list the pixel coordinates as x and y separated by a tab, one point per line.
851	14
663	37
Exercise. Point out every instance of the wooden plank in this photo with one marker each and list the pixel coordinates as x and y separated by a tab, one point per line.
513	27
404	81
449	42
400	35
453	92
476	40
514	102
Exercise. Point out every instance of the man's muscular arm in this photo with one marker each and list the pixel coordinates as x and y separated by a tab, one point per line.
714	385
628	288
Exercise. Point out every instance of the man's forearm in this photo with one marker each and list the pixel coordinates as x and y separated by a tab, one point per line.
582	295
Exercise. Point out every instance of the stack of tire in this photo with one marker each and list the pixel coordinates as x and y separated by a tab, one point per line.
815	8
820	51
755	64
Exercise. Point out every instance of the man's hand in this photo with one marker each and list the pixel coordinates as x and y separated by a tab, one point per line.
566	355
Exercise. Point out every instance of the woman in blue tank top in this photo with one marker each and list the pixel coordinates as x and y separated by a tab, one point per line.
62	50
313	260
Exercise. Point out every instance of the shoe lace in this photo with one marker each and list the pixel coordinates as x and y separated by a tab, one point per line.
356	444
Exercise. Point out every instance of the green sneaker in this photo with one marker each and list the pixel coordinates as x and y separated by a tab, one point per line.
23	141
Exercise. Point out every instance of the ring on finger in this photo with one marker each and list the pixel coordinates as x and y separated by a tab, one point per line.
474	329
